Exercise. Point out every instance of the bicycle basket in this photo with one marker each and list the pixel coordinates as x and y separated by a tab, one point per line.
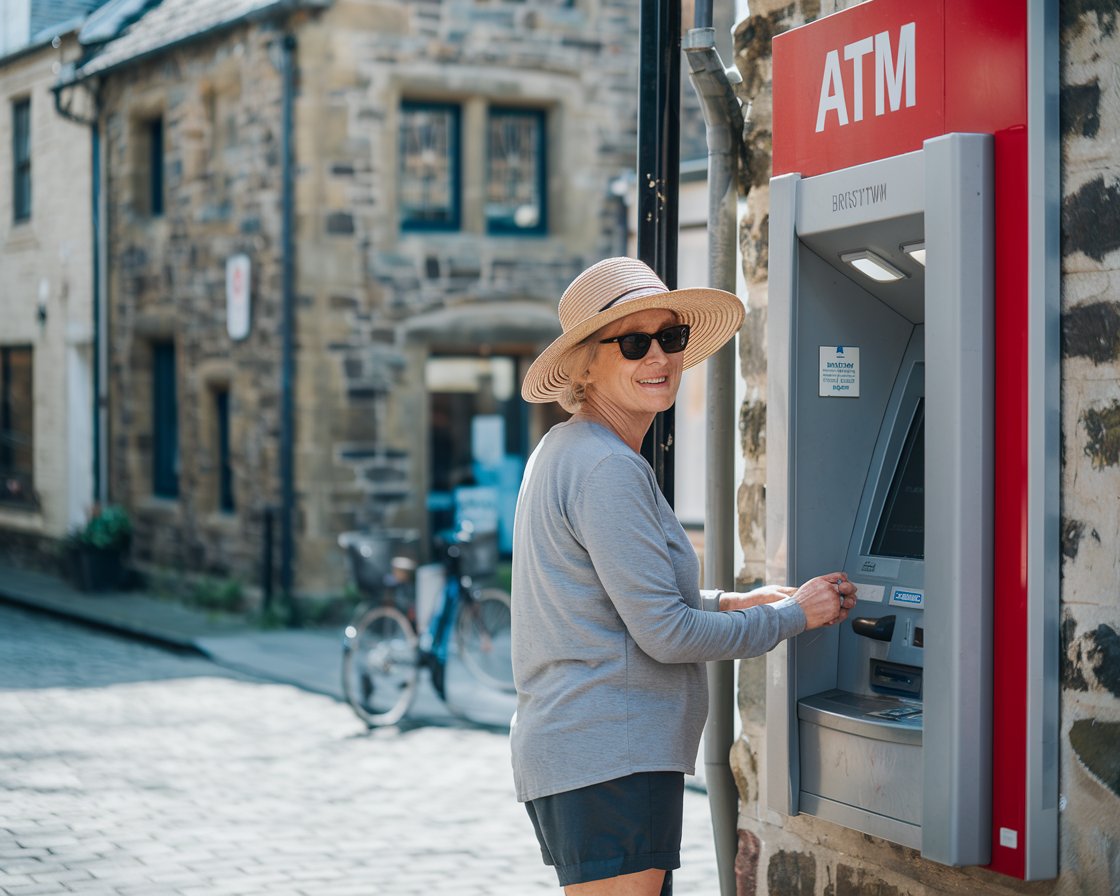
370	555
479	557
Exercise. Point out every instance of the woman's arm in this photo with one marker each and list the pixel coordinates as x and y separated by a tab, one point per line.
818	598
764	594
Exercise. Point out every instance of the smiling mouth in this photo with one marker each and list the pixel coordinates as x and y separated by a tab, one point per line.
654	381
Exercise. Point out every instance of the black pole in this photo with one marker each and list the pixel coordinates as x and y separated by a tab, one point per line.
100	491
287	373
266	562
659	152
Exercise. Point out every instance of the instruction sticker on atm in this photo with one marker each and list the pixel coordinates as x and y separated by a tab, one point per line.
839	371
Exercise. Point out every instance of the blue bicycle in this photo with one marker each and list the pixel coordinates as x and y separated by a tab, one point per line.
383	651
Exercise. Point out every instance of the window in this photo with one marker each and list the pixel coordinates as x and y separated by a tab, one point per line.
225	469
21	160
154	128
429	166
515	172
16	430
165	422
148	165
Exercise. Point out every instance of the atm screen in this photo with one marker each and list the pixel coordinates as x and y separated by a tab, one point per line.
901	528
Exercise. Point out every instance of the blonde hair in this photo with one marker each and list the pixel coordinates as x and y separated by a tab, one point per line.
574	366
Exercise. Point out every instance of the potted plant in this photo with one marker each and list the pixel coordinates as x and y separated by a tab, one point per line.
98	548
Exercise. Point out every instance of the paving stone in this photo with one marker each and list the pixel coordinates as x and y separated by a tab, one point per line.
163	773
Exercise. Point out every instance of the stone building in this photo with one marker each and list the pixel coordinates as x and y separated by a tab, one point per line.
46	285
802	856
451	174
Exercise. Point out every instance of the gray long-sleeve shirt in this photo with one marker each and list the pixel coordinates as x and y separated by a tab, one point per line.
608	635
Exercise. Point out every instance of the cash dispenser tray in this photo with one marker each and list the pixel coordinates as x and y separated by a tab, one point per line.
861	763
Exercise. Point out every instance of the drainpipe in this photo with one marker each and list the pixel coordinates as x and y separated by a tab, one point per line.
100	316
724	120
98	286
287	364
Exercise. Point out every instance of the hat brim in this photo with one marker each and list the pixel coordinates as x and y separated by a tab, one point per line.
714	316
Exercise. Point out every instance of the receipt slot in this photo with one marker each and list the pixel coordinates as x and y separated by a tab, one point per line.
879	446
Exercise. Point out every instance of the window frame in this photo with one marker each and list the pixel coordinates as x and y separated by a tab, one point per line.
11	475
165	421
503	226
21	160
454	169
153	133
227	502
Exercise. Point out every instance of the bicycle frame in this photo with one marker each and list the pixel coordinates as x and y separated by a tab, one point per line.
435	642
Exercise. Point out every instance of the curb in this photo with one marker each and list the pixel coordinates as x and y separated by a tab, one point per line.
121	626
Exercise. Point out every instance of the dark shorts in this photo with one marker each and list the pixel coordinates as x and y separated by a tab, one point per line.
618	827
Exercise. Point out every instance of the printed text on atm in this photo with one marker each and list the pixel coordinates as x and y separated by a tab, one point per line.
859	197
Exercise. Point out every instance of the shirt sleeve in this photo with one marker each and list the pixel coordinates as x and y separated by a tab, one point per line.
615	515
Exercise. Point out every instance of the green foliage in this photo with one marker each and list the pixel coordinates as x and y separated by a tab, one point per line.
107	529
220	595
274	617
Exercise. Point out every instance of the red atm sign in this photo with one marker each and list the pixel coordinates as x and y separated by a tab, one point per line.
867	86
877	79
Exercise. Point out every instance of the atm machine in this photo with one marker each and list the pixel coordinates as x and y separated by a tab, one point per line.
879	446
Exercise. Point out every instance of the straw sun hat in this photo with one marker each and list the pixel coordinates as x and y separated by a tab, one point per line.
614	288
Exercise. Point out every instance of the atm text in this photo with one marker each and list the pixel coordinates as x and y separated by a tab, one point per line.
856	198
895	77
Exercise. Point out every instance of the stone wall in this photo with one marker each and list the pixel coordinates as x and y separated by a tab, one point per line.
366	292
220	105
802	856
1090	591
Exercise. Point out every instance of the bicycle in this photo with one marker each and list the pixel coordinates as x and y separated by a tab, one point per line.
384	651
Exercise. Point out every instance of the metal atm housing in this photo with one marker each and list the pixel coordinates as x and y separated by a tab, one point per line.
883	724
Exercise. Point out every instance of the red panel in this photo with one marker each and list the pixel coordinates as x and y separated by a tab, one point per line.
1009	653
986	65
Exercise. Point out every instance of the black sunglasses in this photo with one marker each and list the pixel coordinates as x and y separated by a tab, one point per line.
635	345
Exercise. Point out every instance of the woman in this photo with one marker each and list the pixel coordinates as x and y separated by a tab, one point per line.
610	629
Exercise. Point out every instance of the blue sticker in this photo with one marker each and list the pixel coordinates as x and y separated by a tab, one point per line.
907	597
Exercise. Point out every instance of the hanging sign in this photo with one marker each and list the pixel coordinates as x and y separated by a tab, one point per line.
237	296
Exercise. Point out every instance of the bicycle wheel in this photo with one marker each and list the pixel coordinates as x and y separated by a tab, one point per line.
379	666
482	634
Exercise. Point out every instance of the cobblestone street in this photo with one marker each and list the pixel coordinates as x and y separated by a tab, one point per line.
128	769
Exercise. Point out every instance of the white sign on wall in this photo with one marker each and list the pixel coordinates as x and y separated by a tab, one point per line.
237	296
839	371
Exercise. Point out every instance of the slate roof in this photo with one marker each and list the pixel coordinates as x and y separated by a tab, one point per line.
123	31
48	15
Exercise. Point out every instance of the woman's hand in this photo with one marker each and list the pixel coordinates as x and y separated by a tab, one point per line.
764	594
826	599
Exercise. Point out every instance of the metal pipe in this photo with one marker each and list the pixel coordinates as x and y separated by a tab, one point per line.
287	365
702	17
659	162
266	561
724	126
100	303
99	363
